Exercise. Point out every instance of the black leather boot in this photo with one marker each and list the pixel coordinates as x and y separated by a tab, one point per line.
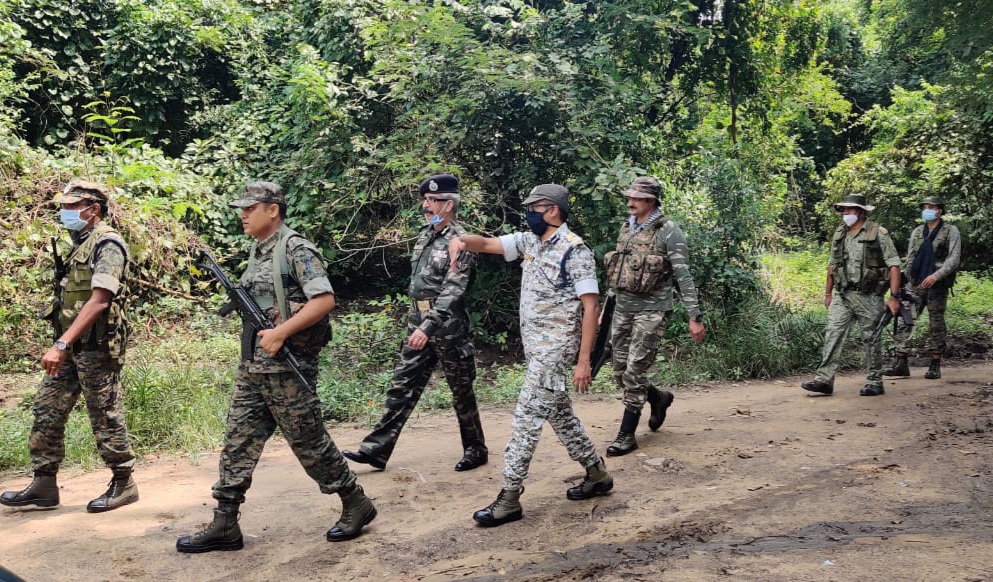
659	401
357	511
222	534
505	509
934	370
42	492
122	491
625	441
899	368
597	482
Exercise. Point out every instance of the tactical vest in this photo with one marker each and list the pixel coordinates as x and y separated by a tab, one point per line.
306	342
110	331
874	274
639	264
941	244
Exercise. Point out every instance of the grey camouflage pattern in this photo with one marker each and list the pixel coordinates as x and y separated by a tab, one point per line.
535	405
551	317
551	314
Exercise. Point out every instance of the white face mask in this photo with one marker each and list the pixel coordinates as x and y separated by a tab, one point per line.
850	219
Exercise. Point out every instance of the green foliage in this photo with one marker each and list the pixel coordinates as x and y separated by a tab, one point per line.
176	395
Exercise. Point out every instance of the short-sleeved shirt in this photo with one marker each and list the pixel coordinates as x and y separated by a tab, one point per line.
551	310
108	267
307	279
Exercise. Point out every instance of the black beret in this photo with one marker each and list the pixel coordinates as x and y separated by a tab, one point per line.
440	184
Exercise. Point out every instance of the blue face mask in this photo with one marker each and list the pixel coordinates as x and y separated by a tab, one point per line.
71	220
929	214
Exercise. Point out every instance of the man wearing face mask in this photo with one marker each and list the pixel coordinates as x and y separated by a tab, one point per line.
933	257
559	311
437	331
86	359
863	265
651	256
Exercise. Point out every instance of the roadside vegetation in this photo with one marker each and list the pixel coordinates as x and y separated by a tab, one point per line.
756	116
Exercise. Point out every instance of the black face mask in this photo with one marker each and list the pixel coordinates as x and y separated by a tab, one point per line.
536	221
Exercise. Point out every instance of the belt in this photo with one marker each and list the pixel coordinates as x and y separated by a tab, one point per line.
424	305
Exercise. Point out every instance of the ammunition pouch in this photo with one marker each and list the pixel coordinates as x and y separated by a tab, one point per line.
874	282
636	273
308	342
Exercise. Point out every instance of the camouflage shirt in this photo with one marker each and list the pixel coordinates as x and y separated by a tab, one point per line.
307	279
431	279
551	311
671	241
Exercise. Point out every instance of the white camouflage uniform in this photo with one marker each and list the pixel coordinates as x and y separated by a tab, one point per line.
551	327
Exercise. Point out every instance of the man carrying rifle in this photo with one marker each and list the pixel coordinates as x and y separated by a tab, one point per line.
933	257
651	256
87	356
286	278
863	265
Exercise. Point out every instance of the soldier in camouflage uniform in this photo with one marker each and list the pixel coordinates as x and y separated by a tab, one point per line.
651	253
559	311
863	265
930	270
91	330
286	277
437	331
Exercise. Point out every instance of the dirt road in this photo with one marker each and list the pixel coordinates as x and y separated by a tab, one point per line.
755	481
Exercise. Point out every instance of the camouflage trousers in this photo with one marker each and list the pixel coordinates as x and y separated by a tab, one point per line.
97	377
262	402
410	376
636	337
535	405
936	302
849	308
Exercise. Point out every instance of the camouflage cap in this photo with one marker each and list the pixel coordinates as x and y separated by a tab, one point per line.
934	200
77	190
257	192
552	192
644	187
853	201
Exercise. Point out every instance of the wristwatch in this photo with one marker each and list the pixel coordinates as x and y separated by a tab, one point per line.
61	345
697	318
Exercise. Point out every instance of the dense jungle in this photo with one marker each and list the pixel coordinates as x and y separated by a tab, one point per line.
756	116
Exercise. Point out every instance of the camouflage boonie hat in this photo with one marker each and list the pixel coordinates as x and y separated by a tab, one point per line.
77	190
552	192
853	201
935	200
644	187
257	192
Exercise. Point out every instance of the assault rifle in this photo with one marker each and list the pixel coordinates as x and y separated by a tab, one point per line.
910	306
602	351
53	312
253	317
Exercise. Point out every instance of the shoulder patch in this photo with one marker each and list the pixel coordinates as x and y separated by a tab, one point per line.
574	239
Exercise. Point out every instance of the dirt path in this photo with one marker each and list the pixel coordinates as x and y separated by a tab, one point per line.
756	481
